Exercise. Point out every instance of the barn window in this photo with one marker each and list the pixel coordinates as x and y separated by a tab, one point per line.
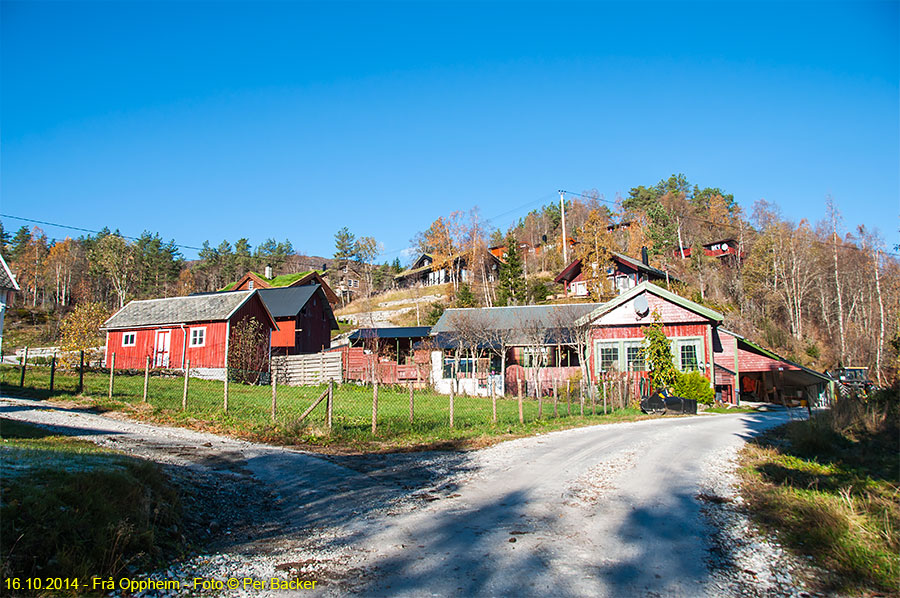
198	337
250	285
129	339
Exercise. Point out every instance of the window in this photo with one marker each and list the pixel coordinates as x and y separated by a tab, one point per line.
689	355
129	339
198	337
250	285
634	357
609	356
533	357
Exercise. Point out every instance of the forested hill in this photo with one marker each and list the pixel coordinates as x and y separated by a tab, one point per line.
824	293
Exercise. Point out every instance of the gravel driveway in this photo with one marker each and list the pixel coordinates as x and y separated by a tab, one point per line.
633	509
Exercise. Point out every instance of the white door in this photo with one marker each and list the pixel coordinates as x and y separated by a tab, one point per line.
161	358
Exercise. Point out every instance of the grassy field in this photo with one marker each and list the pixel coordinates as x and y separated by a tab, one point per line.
830	489
249	412
73	510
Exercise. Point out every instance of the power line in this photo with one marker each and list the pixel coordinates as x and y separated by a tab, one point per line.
727	225
84	230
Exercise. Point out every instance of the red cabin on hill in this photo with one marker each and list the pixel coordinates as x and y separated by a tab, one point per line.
178	330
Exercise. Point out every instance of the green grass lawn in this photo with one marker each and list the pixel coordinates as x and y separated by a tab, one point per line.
831	492
249	412
73	510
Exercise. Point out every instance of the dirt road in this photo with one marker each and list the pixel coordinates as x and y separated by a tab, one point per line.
617	510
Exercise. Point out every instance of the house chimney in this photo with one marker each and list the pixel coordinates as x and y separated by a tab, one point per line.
269	272
644	257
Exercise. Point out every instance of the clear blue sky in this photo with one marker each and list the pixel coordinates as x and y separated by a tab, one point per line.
216	121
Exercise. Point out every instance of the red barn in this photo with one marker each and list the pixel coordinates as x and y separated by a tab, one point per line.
178	330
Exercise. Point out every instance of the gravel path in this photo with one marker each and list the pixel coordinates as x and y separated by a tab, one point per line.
635	509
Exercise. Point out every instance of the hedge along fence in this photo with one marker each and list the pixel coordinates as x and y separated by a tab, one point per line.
331	409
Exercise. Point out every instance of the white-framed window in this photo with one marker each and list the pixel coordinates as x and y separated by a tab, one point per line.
634	356
129	339
198	336
689	355
608	356
250	285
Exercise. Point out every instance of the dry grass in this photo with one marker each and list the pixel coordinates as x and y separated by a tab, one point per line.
829	489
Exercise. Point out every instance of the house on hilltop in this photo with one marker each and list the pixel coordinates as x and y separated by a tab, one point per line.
424	273
624	273
177	330
253	281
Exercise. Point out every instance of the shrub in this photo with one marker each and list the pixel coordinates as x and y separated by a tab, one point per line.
693	385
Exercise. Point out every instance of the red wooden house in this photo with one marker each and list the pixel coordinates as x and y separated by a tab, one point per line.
253	281
304	317
616	332
625	273
178	330
726	248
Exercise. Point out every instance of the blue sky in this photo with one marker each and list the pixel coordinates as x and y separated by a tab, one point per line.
221	120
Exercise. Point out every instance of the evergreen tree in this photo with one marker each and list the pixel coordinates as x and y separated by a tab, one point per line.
511	286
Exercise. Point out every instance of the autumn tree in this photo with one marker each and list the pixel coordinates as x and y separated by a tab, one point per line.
80	330
116	259
595	250
248	356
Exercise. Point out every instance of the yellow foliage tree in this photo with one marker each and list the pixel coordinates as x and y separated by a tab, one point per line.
595	249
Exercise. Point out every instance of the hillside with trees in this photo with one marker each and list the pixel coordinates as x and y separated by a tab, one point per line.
822	293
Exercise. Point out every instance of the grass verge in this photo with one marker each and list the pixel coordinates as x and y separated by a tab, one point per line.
249	413
829	489
73	510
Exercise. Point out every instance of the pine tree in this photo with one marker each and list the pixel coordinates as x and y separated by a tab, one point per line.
511	286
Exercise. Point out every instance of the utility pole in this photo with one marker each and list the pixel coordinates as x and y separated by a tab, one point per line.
565	241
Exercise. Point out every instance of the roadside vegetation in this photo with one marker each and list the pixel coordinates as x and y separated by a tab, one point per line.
73	510
249	414
830	489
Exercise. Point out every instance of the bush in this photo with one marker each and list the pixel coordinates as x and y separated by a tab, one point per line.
693	385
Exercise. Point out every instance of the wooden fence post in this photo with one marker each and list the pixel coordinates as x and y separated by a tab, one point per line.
225	393
81	374
187	371
24	362
52	371
146	378
521	405
274	396
112	369
330	405
451	404
410	402
555	397
374	404
493	404
540	398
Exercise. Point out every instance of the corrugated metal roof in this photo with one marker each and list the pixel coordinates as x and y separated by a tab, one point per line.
174	310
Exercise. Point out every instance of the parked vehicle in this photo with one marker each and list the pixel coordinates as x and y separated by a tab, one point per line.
662	402
853	379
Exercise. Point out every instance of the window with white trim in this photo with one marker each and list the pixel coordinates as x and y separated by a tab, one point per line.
198	337
689	355
129	339
608	354
634	357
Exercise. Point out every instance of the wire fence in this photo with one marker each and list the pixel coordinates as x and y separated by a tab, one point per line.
259	401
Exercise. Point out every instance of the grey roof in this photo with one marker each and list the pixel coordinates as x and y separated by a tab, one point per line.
7	280
391	332
174	310
286	302
641	266
549	317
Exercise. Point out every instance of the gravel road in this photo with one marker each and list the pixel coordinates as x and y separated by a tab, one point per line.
633	509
